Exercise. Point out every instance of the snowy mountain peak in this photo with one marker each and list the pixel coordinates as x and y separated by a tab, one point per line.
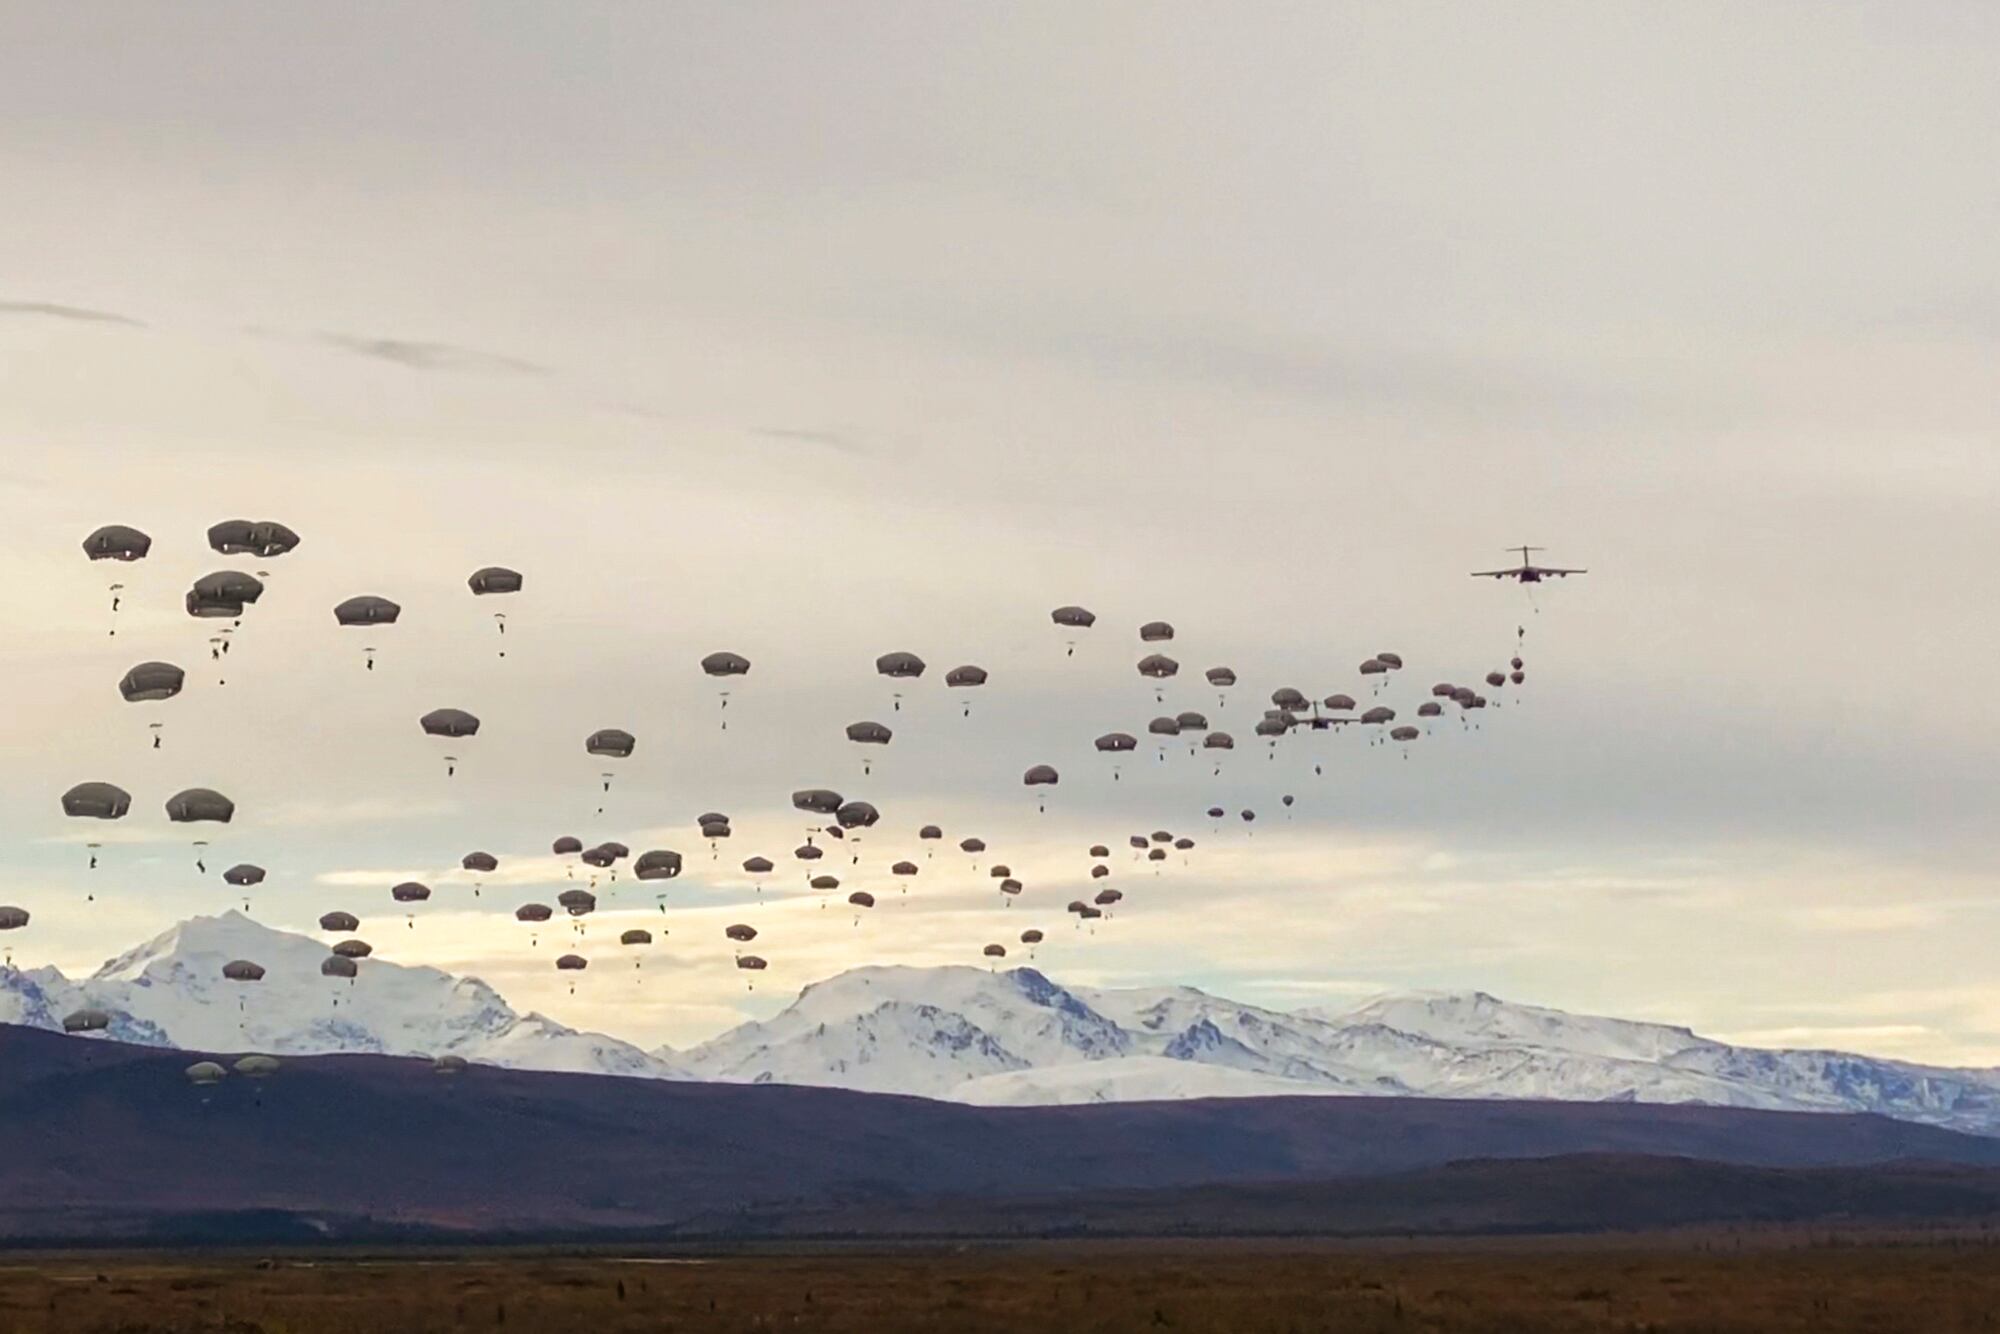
1476	1018
990	1037
170	991
231	935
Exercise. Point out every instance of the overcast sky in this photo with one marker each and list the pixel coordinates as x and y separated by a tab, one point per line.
814	332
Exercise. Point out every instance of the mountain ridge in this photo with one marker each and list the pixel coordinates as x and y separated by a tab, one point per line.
994	1037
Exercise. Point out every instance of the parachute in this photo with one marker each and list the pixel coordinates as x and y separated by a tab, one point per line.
449	1065
995	951
1010	886
242	970
610	742
664	864
817	800
900	666
13	919
759	866
240	537
410	891
1041	775
960	678
494	579
117	542
339	921
567	845
449	723
1158	666
1155	632
1070	620
1107	897
972	845
99	801
861	898
353	949
1221	678
1099	872
257	1067
572	963
722	666
1338	703
1031	937
86	1021
151	681
636	936
751	963
868	734
825	882
202	1074
533	912
1289	699
335	965
740	933
197	805
366	610
1394	661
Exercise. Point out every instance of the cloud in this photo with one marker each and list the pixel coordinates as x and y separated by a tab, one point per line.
78	314
418	355
840	444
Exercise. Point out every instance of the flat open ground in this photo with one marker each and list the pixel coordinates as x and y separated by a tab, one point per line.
1710	1283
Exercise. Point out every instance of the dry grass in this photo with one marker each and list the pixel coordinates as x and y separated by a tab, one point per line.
1671	1287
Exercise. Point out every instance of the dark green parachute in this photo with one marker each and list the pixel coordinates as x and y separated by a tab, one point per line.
115	541
449	722
97	801
151	681
199	804
610	741
659	864
366	609
494	579
725	664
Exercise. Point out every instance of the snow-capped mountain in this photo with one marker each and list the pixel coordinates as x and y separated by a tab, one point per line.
912	1030
990	1037
1017	1038
170	992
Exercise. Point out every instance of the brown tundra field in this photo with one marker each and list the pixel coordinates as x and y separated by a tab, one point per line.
1682	1284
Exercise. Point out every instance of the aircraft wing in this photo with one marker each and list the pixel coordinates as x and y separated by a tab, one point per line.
1565	571
1497	574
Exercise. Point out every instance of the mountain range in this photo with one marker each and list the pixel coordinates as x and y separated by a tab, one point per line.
991	1038
107	1141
